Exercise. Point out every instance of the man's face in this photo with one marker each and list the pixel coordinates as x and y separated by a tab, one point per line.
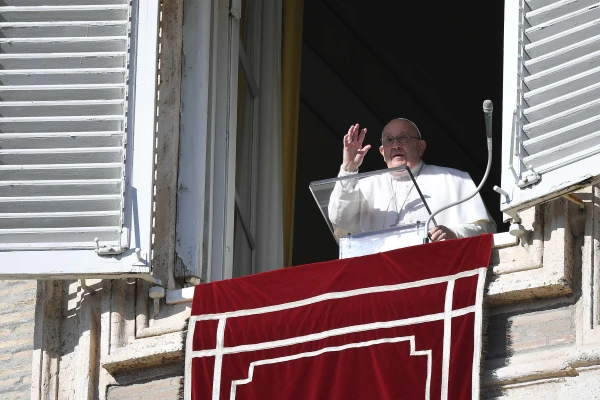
396	154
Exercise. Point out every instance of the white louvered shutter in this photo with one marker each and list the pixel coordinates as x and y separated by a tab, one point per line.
551	122
77	122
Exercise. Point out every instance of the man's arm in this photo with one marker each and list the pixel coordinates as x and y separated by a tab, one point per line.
354	153
475	209
474	229
344	204
477	228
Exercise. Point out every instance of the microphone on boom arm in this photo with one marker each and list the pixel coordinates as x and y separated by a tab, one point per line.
488	107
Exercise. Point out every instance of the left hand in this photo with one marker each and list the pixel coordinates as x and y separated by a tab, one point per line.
441	232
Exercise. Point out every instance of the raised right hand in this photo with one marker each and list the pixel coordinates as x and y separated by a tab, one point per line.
354	153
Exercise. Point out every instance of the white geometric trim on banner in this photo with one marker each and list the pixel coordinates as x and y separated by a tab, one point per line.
337	295
410	339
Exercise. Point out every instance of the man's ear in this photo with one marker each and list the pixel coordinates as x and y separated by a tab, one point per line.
382	153
422	147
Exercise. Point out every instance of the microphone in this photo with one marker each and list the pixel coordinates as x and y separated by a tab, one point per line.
487	111
488	107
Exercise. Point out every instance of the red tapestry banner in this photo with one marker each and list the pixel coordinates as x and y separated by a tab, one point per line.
404	324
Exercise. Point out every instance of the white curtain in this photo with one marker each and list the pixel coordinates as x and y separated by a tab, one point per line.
269	218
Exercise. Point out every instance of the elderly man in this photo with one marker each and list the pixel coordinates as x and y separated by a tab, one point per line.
384	201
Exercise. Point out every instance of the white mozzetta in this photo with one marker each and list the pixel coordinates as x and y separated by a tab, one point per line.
554	54
78	88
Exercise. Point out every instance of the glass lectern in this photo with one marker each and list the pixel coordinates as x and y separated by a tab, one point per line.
345	208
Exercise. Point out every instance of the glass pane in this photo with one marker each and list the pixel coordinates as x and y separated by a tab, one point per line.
247	27
242	253
245	147
347	210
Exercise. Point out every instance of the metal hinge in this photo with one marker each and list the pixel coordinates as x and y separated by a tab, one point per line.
107	250
528	178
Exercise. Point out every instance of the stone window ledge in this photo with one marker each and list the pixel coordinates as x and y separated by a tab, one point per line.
540	264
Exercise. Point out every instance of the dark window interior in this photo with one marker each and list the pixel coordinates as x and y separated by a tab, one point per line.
368	62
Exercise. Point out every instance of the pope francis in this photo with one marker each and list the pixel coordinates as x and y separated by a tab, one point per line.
383	201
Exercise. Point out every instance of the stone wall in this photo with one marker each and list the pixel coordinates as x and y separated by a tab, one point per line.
17	315
164	389
522	332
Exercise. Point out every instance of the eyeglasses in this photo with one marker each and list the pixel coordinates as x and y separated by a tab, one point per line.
402	139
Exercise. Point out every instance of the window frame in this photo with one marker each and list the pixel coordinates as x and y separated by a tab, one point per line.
223	186
540	264
228	56
251	72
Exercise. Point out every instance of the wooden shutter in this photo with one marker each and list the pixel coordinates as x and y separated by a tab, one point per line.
551	124
77	107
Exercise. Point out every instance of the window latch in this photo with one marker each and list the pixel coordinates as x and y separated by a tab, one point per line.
528	178
107	250
503	192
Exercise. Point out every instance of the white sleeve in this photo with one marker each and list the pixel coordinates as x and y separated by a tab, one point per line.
474	229
344	204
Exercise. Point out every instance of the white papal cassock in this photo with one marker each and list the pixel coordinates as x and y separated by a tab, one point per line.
379	202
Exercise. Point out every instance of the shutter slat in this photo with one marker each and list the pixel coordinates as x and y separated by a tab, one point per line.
34	235
48	246
573	158
557	10
28	3
69	61
61	171
563	119
563	103
57	188
62	45
68	156
60	140
64	124
63	29
535	4
563	23
59	220
82	108
588	143
555	138
27	204
67	77
65	108
64	13
566	70
563	55
564	87
563	39
65	92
